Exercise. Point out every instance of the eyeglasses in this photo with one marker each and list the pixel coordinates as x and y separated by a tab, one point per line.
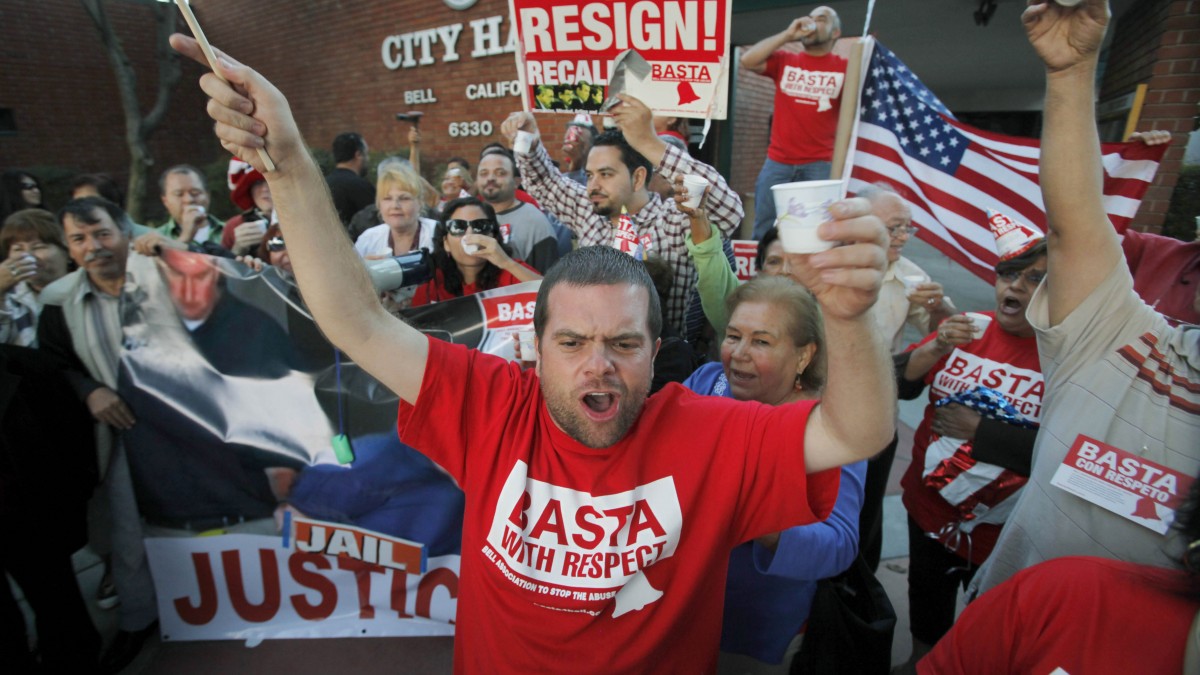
899	230
458	227
275	244
1033	277
30	186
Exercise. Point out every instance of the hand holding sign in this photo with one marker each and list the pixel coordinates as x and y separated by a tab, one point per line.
636	121
247	108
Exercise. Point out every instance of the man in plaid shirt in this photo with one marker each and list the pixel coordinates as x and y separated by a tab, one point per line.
619	168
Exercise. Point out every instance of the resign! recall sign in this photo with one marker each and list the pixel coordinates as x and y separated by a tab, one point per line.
567	47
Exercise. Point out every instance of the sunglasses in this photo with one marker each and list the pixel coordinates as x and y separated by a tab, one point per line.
458	227
1032	277
275	244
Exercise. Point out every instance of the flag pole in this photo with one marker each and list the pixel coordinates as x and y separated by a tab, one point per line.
851	92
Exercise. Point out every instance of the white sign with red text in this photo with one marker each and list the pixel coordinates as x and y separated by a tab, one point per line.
566	50
1132	487
745	256
1022	387
249	587
506	311
574	545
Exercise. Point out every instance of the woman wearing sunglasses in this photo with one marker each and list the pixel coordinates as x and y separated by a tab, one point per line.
468	256
21	190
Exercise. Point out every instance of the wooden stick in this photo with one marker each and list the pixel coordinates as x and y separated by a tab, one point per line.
212	62
849	110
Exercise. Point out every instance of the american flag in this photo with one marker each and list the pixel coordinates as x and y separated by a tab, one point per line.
952	173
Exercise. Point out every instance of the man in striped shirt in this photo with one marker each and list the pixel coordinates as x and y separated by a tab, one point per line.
619	167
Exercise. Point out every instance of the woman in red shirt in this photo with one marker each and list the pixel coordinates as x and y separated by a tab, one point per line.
468	256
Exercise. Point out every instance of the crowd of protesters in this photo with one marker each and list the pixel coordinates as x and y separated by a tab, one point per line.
765	469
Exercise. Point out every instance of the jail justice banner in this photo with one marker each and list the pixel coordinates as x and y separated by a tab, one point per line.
238	398
674	55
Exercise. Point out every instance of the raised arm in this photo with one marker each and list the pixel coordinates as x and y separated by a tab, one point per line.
636	121
755	58
556	193
251	113
856	414
1082	244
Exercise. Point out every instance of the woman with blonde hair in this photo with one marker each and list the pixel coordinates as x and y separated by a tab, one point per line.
400	193
773	353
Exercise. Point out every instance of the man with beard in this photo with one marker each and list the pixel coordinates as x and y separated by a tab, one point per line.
807	101
598	520
529	231
351	192
80	327
616	207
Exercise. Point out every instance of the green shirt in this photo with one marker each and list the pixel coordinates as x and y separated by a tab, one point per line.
715	279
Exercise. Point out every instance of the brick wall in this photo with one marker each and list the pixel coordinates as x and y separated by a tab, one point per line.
56	78
333	72
1159	44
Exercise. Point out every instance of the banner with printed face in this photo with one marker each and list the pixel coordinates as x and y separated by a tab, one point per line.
249	587
237	397
574	55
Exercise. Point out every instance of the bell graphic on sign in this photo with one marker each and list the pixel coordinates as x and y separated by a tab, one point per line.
686	93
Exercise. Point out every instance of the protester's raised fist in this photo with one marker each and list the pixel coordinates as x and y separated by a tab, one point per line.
1064	37
635	120
250	113
518	121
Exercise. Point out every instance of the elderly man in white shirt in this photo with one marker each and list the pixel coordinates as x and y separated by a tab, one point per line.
907	296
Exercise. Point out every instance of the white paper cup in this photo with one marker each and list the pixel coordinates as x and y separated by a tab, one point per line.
911	282
470	249
798	236
695	187
980	322
523	142
527	351
801	208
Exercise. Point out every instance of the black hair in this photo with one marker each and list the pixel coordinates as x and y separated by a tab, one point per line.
346	145
598	266
84	209
1022	261
760	256
632	158
452	279
503	152
180	168
104	184
12	200
459	160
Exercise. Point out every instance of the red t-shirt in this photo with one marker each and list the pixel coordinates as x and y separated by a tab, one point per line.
1072	615
1000	361
602	560
808	97
434	290
1165	273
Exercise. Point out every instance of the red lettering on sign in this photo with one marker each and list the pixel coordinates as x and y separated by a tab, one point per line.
317	582
362	577
438	578
254	613
204	612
